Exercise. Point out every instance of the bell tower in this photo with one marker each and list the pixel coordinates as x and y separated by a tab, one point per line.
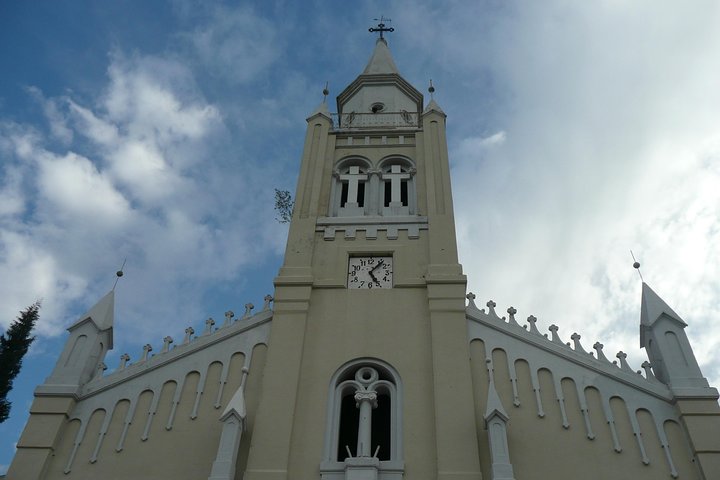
367	375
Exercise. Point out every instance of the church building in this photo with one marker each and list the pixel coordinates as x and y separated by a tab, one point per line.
371	361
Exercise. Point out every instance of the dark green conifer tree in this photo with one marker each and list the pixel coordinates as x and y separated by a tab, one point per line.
14	345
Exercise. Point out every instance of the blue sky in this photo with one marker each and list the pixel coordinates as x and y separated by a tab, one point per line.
156	132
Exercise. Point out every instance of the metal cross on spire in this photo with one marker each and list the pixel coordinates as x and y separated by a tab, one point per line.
381	26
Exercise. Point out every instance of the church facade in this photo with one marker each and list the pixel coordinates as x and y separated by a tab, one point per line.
371	361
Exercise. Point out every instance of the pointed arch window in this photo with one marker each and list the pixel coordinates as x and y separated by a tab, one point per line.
364	421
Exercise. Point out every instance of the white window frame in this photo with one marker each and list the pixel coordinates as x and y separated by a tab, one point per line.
342	168
407	167
392	469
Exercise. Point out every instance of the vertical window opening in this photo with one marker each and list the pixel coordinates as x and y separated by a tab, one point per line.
361	194
381	427
404	192
344	194
388	193
349	420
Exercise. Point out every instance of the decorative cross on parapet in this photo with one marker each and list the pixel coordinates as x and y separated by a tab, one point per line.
124	358
576	339
553	332
647	366
209	326
471	300
166	344
381	26
491	307
100	370
189	331
599	349
147	348
511	316
622	356
268	298
533	328
228	317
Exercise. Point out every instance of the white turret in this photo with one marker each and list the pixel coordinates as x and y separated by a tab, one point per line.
662	334
90	339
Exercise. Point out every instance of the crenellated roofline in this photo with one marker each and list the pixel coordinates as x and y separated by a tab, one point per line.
617	370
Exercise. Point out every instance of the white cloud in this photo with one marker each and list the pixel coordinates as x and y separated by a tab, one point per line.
236	44
74	187
12	200
614	127
54	116
34	273
98	130
141	178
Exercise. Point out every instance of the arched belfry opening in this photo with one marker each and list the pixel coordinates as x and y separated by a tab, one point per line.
350	187
364	428
364	419
398	186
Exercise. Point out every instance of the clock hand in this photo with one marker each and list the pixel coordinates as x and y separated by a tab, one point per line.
372	271
373	276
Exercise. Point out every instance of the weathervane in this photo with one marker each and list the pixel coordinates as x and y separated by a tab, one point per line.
381	26
636	266
119	274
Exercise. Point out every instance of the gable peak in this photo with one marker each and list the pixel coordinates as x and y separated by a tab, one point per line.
653	307
101	314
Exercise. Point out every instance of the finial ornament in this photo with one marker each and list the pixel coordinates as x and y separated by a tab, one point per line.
124	359
431	89
381	26
119	273
636	266
209	326
326	92
188	334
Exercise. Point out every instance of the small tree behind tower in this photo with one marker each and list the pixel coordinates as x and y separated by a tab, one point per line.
14	345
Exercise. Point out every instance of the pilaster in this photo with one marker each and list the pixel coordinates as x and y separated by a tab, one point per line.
456	438
270	451
701	419
48	417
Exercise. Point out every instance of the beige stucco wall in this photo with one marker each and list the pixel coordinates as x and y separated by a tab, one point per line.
184	452
543	448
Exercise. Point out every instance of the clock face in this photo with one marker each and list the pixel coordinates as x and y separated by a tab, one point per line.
370	272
